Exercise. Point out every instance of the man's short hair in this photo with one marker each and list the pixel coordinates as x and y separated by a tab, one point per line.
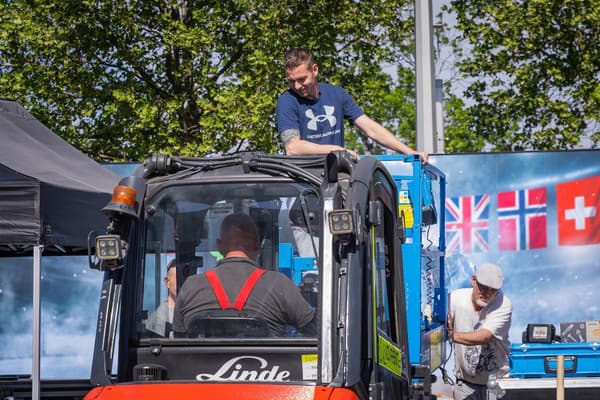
296	57
239	228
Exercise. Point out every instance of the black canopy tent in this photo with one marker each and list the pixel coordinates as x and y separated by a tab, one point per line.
50	199
50	192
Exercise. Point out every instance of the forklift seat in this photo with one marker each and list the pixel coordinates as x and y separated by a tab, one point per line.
227	324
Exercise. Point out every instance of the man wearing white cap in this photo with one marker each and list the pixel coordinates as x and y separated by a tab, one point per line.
478	324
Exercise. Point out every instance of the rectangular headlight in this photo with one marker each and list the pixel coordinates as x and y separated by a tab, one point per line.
108	247
340	222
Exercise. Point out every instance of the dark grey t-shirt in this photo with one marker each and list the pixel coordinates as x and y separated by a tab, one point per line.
274	298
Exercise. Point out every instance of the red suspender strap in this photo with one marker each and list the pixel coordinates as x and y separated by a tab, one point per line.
247	288
217	288
245	291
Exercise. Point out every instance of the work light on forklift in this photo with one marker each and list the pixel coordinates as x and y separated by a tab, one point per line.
108	247
340	222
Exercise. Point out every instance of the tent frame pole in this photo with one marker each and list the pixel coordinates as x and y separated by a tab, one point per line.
37	302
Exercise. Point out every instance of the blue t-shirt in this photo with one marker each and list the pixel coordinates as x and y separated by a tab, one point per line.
320	120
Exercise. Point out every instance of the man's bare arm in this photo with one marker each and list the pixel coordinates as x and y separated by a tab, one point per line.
480	336
295	146
384	137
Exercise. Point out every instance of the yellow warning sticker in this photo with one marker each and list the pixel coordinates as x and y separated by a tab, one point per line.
309	367
390	356
405	208
310	357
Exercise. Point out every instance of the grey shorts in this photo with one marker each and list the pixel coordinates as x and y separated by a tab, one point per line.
464	390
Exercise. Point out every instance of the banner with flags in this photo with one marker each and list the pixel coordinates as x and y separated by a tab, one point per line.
537	215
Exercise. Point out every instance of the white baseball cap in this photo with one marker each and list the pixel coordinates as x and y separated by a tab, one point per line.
489	275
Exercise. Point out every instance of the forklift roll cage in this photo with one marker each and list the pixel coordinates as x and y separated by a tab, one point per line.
362	344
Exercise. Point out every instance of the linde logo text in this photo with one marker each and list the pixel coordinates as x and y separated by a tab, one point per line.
243	368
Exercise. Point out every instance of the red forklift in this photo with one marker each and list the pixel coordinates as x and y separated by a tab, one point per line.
332	224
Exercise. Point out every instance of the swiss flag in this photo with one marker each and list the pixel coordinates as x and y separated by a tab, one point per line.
578	209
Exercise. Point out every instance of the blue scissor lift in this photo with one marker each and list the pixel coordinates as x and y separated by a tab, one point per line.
422	188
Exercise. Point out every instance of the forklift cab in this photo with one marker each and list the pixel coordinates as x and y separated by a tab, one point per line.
185	225
329	224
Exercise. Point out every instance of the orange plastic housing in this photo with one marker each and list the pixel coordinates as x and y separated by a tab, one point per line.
221	391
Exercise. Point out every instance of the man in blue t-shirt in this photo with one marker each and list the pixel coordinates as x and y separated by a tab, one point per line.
310	115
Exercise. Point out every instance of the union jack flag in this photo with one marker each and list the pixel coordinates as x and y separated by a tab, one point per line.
522	219
467	223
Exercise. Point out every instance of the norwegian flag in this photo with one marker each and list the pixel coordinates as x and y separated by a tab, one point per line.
467	223
578	211
522	216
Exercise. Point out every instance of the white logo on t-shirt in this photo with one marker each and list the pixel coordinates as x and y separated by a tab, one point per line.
328	116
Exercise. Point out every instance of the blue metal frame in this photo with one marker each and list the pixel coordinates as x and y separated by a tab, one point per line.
409	173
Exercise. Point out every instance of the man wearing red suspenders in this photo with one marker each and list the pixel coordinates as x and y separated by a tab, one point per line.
238	283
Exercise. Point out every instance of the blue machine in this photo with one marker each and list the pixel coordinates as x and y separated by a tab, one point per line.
421	194
292	265
539	360
534	372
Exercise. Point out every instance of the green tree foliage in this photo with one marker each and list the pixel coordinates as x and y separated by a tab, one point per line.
395	107
123	79
532	69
